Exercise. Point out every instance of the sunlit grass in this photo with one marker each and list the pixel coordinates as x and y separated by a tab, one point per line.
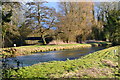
75	68
26	50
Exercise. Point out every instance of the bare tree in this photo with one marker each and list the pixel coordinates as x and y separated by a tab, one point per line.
76	19
40	17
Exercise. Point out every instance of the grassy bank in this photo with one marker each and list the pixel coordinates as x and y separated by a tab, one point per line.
100	64
101	44
25	50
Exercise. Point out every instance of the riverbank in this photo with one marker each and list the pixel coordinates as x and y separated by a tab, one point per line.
100	64
27	50
98	43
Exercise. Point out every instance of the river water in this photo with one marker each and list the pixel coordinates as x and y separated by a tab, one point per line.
61	55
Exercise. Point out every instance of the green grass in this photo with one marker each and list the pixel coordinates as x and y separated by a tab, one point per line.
100	43
26	50
52	45
89	66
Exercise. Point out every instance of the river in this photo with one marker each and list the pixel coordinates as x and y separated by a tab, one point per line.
61	55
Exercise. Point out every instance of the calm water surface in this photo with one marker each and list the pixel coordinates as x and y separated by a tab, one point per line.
61	55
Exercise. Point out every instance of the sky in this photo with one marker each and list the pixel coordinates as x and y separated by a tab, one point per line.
53	3
80	0
62	0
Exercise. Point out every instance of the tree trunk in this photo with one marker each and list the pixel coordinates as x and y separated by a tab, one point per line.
44	41
3	42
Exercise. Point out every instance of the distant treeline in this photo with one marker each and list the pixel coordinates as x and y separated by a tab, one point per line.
74	22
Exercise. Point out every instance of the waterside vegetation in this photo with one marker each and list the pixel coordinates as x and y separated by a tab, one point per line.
27	50
100	64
